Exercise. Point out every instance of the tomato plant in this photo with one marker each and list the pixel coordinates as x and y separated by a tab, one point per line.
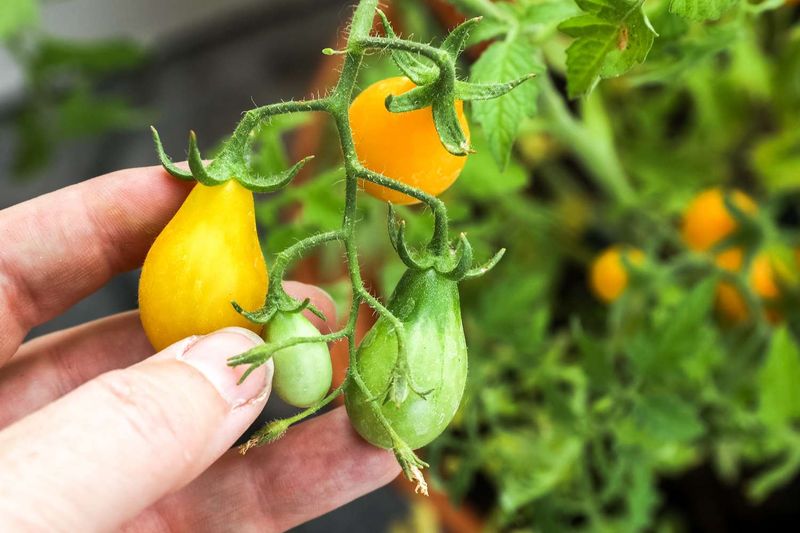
429	113
669	126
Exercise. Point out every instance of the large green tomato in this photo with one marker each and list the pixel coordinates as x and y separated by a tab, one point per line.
428	305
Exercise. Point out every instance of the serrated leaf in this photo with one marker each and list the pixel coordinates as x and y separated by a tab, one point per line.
779	380
17	14
481	179
610	38
546	13
700	9
504	61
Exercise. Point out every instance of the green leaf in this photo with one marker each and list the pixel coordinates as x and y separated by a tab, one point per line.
16	15
504	61
668	418
483	8
93	58
777	160
610	38
83	114
700	9
546	12
779	380
527	465
482	179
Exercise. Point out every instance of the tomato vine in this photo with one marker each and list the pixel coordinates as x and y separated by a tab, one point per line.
433	70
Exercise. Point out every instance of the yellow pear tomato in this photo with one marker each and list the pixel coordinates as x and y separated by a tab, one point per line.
205	258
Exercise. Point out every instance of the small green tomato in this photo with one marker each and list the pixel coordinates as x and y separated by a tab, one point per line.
303	372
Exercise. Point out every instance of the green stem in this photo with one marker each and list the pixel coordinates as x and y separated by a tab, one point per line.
438	243
277	428
295	251
259	355
439	57
598	155
241	138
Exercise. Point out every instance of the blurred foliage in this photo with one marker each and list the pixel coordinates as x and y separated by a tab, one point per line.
574	409
64	95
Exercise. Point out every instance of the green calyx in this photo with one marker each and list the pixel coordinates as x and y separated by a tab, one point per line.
456	262
231	163
434	73
283	303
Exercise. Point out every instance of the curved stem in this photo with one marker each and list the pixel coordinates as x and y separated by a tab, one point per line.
439	57
337	104
293	252
598	156
261	354
277	428
240	138
438	242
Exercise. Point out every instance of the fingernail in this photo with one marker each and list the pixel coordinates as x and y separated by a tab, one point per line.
209	354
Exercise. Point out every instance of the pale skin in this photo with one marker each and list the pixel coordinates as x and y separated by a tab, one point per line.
97	433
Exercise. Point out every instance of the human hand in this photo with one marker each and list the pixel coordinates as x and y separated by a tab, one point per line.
96	433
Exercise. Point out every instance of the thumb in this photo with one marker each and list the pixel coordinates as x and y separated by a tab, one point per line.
103	453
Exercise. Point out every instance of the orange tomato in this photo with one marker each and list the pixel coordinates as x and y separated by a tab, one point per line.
762	278
707	220
402	146
608	276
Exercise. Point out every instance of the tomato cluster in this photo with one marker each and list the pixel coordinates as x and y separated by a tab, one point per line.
710	220
209	256
712	226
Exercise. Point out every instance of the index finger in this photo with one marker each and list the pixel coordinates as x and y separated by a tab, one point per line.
60	247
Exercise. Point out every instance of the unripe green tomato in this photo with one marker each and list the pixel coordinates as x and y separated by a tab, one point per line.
303	372
428	305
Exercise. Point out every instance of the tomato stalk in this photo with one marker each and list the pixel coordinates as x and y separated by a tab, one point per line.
598	156
434	72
